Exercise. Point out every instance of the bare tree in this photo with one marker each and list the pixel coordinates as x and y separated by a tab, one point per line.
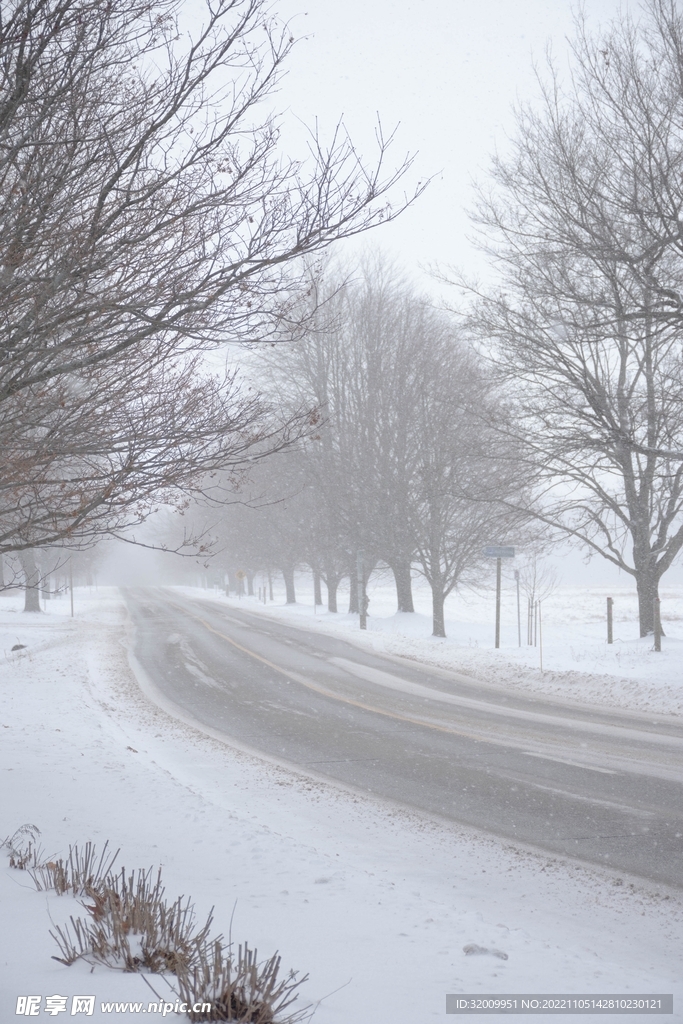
583	220
538	582
98	453
385	328
146	214
404	462
267	527
462	478
314	375
354	368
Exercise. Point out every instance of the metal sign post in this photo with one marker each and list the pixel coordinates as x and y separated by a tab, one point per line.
499	552
362	600
610	620
499	562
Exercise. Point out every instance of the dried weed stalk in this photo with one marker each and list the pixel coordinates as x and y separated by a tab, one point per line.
133	928
241	990
82	873
24	854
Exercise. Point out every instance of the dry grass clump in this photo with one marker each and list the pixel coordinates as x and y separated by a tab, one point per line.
240	989
24	853
82	873
131	927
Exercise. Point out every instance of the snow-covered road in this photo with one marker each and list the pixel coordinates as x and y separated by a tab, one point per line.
605	786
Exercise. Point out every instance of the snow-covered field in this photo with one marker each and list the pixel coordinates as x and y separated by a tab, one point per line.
375	903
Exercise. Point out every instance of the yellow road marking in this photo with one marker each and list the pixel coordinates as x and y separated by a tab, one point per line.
329	693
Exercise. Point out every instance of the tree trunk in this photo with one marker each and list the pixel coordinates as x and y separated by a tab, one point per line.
288	575
404	586
332	581
317	592
32	581
353	592
647	586
439	625
250	583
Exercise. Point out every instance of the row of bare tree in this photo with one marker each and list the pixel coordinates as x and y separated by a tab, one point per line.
147	215
572	413
401	466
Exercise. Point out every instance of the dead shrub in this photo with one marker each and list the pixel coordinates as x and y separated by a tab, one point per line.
133	928
81	873
24	853
241	990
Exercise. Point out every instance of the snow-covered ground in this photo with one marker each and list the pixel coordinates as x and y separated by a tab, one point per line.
578	663
375	903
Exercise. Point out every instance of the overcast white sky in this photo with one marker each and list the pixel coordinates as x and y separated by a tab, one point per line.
449	71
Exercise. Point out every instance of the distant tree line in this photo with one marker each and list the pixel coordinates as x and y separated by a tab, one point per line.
400	467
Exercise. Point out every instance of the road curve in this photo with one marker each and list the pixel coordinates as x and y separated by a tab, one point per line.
602	786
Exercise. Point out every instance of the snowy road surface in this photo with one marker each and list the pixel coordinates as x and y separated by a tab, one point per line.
602	786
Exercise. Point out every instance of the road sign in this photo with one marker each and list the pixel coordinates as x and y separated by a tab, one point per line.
498	551
241	574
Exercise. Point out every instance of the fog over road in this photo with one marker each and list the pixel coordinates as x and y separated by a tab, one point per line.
602	786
